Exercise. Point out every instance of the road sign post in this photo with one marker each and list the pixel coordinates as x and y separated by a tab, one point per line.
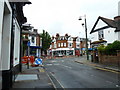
28	44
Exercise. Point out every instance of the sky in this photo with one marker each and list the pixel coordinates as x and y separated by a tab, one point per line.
61	16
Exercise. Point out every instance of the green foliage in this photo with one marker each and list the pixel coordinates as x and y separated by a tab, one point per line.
110	49
46	41
101	48
116	45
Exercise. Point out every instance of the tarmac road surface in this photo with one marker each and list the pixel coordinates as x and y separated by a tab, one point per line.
66	73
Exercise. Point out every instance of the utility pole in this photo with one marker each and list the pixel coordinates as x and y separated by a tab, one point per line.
85	35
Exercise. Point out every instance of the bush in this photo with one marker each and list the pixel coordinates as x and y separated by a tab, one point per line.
111	49
101	49
116	45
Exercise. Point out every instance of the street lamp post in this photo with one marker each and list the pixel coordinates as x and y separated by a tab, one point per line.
86	35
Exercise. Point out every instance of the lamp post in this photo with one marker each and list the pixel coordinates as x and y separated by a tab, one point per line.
85	34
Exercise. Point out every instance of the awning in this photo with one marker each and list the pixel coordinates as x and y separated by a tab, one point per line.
90	48
36	47
98	42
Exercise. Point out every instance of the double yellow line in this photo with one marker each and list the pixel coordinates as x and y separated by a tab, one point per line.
97	67
104	69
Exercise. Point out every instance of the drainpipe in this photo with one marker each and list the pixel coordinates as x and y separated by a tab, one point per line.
21	50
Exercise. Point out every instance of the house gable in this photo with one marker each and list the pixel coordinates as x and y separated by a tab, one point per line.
108	23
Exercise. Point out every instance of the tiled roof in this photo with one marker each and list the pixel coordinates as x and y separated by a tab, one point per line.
25	1
110	23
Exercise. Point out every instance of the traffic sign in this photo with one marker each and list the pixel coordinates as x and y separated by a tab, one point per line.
28	43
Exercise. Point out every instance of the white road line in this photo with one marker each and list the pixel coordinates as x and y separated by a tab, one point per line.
53	61
57	80
62	61
67	66
109	82
56	64
49	64
52	82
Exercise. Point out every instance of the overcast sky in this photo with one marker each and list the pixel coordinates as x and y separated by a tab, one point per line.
61	16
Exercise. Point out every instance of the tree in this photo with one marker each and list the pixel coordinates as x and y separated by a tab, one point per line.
46	41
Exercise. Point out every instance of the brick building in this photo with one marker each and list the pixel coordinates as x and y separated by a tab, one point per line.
67	45
35	43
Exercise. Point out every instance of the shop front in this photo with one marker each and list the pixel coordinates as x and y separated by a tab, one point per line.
63	52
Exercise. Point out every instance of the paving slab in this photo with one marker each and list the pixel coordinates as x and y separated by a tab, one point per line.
24	77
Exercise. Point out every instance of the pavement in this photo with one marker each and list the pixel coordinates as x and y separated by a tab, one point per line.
38	79
34	78
111	68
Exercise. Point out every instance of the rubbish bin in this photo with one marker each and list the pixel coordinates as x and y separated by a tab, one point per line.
97	61
91	58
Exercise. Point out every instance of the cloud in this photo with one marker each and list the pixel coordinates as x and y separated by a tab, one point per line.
62	15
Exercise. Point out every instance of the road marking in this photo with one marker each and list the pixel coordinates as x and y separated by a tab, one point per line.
41	70
57	81
49	64
53	61
62	61
92	75
109	82
52	81
66	66
95	66
107	70
56	64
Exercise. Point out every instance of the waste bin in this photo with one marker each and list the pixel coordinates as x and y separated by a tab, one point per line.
91	58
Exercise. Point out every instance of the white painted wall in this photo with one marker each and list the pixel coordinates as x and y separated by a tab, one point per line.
119	15
94	37
6	37
1	23
110	35
119	36
119	8
16	43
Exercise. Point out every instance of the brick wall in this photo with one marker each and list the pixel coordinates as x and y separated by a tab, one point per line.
109	59
74	44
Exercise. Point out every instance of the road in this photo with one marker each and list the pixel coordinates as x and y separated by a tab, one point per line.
66	73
